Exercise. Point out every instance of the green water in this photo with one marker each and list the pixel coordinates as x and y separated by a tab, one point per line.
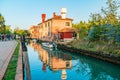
46	64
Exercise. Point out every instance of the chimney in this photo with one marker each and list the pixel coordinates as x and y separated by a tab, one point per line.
63	13
54	14
43	17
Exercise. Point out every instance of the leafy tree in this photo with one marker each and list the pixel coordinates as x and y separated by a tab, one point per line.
8	29
16	30
26	33
95	29
94	33
81	28
110	12
20	32
118	32
103	27
97	19
76	27
2	24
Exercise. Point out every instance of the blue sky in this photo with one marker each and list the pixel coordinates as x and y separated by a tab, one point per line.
23	13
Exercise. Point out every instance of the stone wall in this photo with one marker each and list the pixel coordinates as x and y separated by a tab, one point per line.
98	55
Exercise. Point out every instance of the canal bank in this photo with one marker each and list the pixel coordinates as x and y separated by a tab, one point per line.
19	69
99	55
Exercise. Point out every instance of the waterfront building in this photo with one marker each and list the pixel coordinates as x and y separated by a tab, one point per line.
34	34
59	27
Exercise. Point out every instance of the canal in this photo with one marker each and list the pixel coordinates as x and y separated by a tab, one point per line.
47	64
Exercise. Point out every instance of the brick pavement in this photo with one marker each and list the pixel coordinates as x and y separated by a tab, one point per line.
6	50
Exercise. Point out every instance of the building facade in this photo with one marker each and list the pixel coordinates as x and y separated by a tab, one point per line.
50	29
34	34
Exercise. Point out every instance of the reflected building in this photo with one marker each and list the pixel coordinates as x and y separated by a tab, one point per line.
54	60
57	63
44	57
32	44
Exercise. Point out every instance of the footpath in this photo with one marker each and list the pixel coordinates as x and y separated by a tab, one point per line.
6	51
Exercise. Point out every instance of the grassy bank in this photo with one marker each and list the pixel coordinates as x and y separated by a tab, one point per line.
104	47
11	70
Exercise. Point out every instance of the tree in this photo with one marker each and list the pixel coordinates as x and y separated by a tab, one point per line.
106	26
97	19
95	29
76	27
16	30
2	24
20	32
94	33
81	28
118	32
8	29
110	12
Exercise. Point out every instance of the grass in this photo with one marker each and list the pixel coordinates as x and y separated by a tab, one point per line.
11	70
105	47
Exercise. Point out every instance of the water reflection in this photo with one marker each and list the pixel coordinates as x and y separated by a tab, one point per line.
74	66
55	60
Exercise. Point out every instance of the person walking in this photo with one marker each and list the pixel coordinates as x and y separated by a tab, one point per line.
2	37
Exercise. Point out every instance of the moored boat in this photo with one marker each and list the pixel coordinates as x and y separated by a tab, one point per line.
47	44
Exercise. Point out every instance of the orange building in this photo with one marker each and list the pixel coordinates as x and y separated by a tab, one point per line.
34	32
50	28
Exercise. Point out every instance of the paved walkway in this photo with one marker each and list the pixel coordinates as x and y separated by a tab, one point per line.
6	50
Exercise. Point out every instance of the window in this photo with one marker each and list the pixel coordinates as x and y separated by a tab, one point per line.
41	26
67	24
48	23
45	24
67	64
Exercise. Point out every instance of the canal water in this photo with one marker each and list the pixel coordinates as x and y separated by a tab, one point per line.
47	64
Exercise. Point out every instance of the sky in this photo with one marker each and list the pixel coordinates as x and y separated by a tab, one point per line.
24	13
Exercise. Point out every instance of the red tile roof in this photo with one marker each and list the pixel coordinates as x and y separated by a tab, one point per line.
57	17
